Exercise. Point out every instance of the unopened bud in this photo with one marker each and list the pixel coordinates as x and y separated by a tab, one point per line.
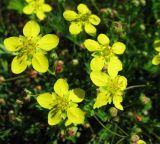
113	111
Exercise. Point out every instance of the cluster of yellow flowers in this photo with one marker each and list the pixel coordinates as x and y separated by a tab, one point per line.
156	58
111	85
31	48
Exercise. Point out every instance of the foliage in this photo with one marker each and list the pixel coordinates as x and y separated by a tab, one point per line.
133	25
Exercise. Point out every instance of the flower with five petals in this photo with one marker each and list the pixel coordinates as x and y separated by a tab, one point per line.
105	55
110	89
38	7
84	19
30	48
63	104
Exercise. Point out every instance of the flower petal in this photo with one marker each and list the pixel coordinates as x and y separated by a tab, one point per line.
48	42
75	115
18	65
12	43
92	45
83	9
95	20
46	100
157	45
114	66
28	1
40	62
61	87
122	82
31	29
103	39
117	102
68	122
97	63
99	78
90	29
156	60
70	15
101	100
46	7
75	28
54	117
141	142
29	9
118	48
40	14
76	95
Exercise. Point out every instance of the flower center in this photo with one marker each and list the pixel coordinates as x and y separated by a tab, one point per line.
28	46
37	4
62	103
83	17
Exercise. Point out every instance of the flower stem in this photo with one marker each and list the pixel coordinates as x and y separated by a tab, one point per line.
135	86
107	128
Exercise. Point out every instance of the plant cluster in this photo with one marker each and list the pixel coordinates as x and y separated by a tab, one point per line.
90	53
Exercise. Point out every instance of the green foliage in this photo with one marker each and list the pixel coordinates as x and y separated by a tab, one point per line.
133	22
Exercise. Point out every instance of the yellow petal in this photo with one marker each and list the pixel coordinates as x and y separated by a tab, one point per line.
75	115
103	39
141	142
40	14
54	117
97	63
48	42
70	15
68	122
40	62
28	1
46	7
29	9
31	29
95	20
46	100
12	43
156	60
92	45
101	100
117	102
114	66
90	29
75	28
61	87
118	47
83	9
99	78
19	64
77	95
157	45
122	82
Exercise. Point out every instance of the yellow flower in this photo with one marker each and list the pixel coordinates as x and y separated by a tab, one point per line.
84	19
38	7
156	58
111	89
30	48
141	142
105	55
63	103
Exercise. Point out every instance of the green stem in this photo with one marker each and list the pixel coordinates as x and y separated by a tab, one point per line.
14	78
95	5
107	128
122	130
135	86
118	142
